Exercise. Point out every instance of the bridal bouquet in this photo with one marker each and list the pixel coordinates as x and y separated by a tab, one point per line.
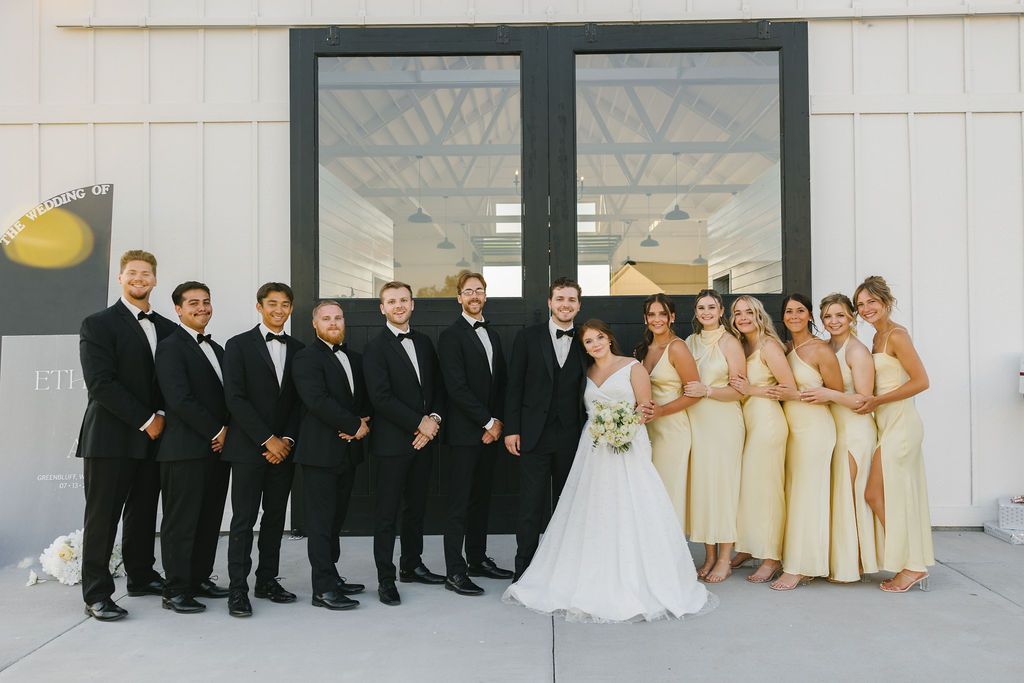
63	559
614	424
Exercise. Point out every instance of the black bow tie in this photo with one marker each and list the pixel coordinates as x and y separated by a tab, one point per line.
200	338
480	323
279	337
571	332
401	336
147	316
339	347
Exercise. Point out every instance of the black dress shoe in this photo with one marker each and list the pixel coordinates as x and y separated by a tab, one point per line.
346	588
106	610
239	605
183	604
490	570
388	593
420	575
461	584
273	591
154	587
333	600
208	589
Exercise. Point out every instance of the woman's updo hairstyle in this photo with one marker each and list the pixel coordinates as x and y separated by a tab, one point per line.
876	286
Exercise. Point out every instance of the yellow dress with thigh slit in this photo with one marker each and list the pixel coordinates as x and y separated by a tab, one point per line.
670	435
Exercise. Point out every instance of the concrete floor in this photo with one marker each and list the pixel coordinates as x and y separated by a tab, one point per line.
969	626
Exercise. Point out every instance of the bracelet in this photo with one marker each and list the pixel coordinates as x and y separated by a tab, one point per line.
707	391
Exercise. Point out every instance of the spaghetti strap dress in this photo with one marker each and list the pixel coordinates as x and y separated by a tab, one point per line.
907	541
853	524
716	449
670	435
761	519
812	438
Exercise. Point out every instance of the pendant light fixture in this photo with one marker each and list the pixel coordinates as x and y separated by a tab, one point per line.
700	260
445	243
462	262
676	214
420	216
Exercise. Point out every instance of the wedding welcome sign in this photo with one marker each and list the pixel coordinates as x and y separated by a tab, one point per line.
53	273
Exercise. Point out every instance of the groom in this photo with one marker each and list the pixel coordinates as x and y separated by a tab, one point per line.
544	411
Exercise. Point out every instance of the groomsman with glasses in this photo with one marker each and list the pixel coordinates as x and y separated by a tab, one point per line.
265	424
118	439
193	479
403	381
473	368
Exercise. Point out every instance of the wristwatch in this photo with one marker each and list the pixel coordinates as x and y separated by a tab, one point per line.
435	417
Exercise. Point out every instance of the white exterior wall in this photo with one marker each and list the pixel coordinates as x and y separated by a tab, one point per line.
917	151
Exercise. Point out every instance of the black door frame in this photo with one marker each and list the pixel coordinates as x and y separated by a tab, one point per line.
548	102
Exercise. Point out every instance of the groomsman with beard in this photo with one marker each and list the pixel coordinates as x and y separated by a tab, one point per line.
123	419
473	368
544	412
193	479
265	423
329	379
403	381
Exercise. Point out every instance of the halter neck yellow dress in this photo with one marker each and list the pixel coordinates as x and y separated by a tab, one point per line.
812	437
907	540
853	523
761	519
670	435
716	450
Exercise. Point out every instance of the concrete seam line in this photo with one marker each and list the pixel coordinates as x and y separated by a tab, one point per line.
974	580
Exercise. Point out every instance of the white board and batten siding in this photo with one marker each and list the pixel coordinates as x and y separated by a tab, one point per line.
917	142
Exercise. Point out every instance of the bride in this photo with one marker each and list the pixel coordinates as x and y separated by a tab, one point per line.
613	550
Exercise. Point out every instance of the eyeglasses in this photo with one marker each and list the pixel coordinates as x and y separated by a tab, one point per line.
479	291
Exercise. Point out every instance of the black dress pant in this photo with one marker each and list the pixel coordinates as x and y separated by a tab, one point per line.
402	480
193	505
251	484
326	494
469	504
542	474
116	487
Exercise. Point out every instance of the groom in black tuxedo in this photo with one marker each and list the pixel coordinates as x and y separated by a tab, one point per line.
473	368
544	411
123	419
265	424
329	380
193	479
403	381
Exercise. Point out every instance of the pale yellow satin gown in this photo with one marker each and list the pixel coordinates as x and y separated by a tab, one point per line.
716	450
761	519
853	523
670	435
812	437
907	540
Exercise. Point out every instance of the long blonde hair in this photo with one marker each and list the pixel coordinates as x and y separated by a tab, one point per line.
762	321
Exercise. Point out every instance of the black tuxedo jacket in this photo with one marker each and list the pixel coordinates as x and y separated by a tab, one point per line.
400	401
531	380
476	393
193	397
259	407
330	406
117	363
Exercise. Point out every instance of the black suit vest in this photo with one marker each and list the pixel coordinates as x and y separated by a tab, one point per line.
563	411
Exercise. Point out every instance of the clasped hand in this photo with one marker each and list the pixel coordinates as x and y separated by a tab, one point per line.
425	433
364	429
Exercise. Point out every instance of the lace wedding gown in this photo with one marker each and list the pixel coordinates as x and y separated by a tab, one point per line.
613	550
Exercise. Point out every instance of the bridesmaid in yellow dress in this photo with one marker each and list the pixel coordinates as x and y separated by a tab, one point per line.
896	489
716	425
671	366
761	518
853	524
812	437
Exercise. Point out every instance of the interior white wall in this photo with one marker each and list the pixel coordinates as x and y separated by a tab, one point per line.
917	148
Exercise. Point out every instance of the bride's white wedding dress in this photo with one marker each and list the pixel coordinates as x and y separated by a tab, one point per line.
613	550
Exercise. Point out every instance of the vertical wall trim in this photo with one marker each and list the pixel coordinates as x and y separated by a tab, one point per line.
38	144
92	61
90	132
201	66
37	26
254	89
254	165
147	66
200	198
971	289
911	70
147	189
912	187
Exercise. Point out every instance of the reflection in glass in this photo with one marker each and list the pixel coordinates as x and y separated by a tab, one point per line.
678	183
420	173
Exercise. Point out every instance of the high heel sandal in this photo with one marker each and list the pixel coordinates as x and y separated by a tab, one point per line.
802	582
768	579
921	582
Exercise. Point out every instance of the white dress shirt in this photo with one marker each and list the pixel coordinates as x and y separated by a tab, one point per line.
561	344
211	355
150	331
345	364
410	349
278	351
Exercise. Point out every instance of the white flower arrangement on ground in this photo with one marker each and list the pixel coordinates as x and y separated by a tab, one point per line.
63	559
615	424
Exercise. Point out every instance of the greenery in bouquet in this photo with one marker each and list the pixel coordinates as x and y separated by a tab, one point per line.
62	559
614	424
